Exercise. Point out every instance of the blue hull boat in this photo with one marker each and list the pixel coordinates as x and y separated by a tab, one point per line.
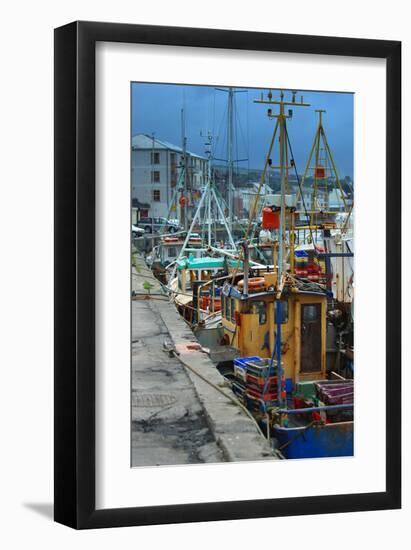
316	441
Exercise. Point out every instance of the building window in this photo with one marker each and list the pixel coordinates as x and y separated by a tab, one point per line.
155	176
284	311
156	195
155	158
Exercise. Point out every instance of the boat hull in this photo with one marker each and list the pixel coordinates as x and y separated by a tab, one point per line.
209	337
316	441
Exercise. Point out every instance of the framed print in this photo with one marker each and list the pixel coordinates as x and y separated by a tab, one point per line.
222	199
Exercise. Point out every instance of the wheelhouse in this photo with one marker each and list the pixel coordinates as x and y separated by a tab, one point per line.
250	325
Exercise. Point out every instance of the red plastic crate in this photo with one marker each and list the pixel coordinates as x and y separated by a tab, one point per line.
258	395
261	381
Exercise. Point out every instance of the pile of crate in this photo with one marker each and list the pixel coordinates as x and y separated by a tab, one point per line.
335	392
257	380
308	266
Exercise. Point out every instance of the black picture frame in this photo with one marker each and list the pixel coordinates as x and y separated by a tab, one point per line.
74	388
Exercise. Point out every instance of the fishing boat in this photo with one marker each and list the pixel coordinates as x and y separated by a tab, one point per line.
253	314
196	276
167	252
276	317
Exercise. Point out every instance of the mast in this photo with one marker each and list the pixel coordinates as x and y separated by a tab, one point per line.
323	169
230	156
281	124
204	209
283	166
230	150
183	208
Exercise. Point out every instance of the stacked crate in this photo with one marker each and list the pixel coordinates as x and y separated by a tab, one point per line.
258	380
308	266
336	393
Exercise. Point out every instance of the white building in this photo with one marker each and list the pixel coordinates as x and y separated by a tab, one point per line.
156	170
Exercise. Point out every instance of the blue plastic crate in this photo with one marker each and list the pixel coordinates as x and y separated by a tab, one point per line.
242	361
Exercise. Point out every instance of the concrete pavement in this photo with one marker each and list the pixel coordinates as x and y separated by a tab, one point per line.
177	418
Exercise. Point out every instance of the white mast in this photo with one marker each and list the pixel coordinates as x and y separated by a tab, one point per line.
230	156
207	198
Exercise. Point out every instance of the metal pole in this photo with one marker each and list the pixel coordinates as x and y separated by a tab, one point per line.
173	201
152	175
278	353
281	258
209	219
221	213
230	156
225	252
184	140
200	205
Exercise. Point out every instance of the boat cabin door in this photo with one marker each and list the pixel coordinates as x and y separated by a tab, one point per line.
310	338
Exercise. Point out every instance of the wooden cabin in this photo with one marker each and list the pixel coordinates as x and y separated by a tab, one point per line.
250	325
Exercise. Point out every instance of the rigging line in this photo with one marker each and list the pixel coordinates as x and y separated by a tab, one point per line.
219	132
299	184
210	113
253	209
241	132
248	140
236	120
214	111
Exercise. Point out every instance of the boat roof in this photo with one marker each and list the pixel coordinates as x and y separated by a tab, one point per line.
234	292
208	262
201	263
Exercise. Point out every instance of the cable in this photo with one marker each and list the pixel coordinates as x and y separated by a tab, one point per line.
229	397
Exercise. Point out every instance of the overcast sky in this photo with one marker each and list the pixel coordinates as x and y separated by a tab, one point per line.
157	108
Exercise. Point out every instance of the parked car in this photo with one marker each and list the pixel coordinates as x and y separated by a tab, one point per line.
157	225
136	231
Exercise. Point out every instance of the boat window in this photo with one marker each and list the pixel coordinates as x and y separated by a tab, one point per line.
172	251
227	308
232	310
310	313
268	255
260	309
284	311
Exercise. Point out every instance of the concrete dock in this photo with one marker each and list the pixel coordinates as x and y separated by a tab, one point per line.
177	418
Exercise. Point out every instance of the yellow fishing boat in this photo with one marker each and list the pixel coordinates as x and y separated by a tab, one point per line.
254	318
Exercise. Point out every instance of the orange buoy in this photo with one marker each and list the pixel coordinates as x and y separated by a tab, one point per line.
255	283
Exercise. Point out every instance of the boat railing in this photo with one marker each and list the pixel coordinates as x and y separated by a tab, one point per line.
316	409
